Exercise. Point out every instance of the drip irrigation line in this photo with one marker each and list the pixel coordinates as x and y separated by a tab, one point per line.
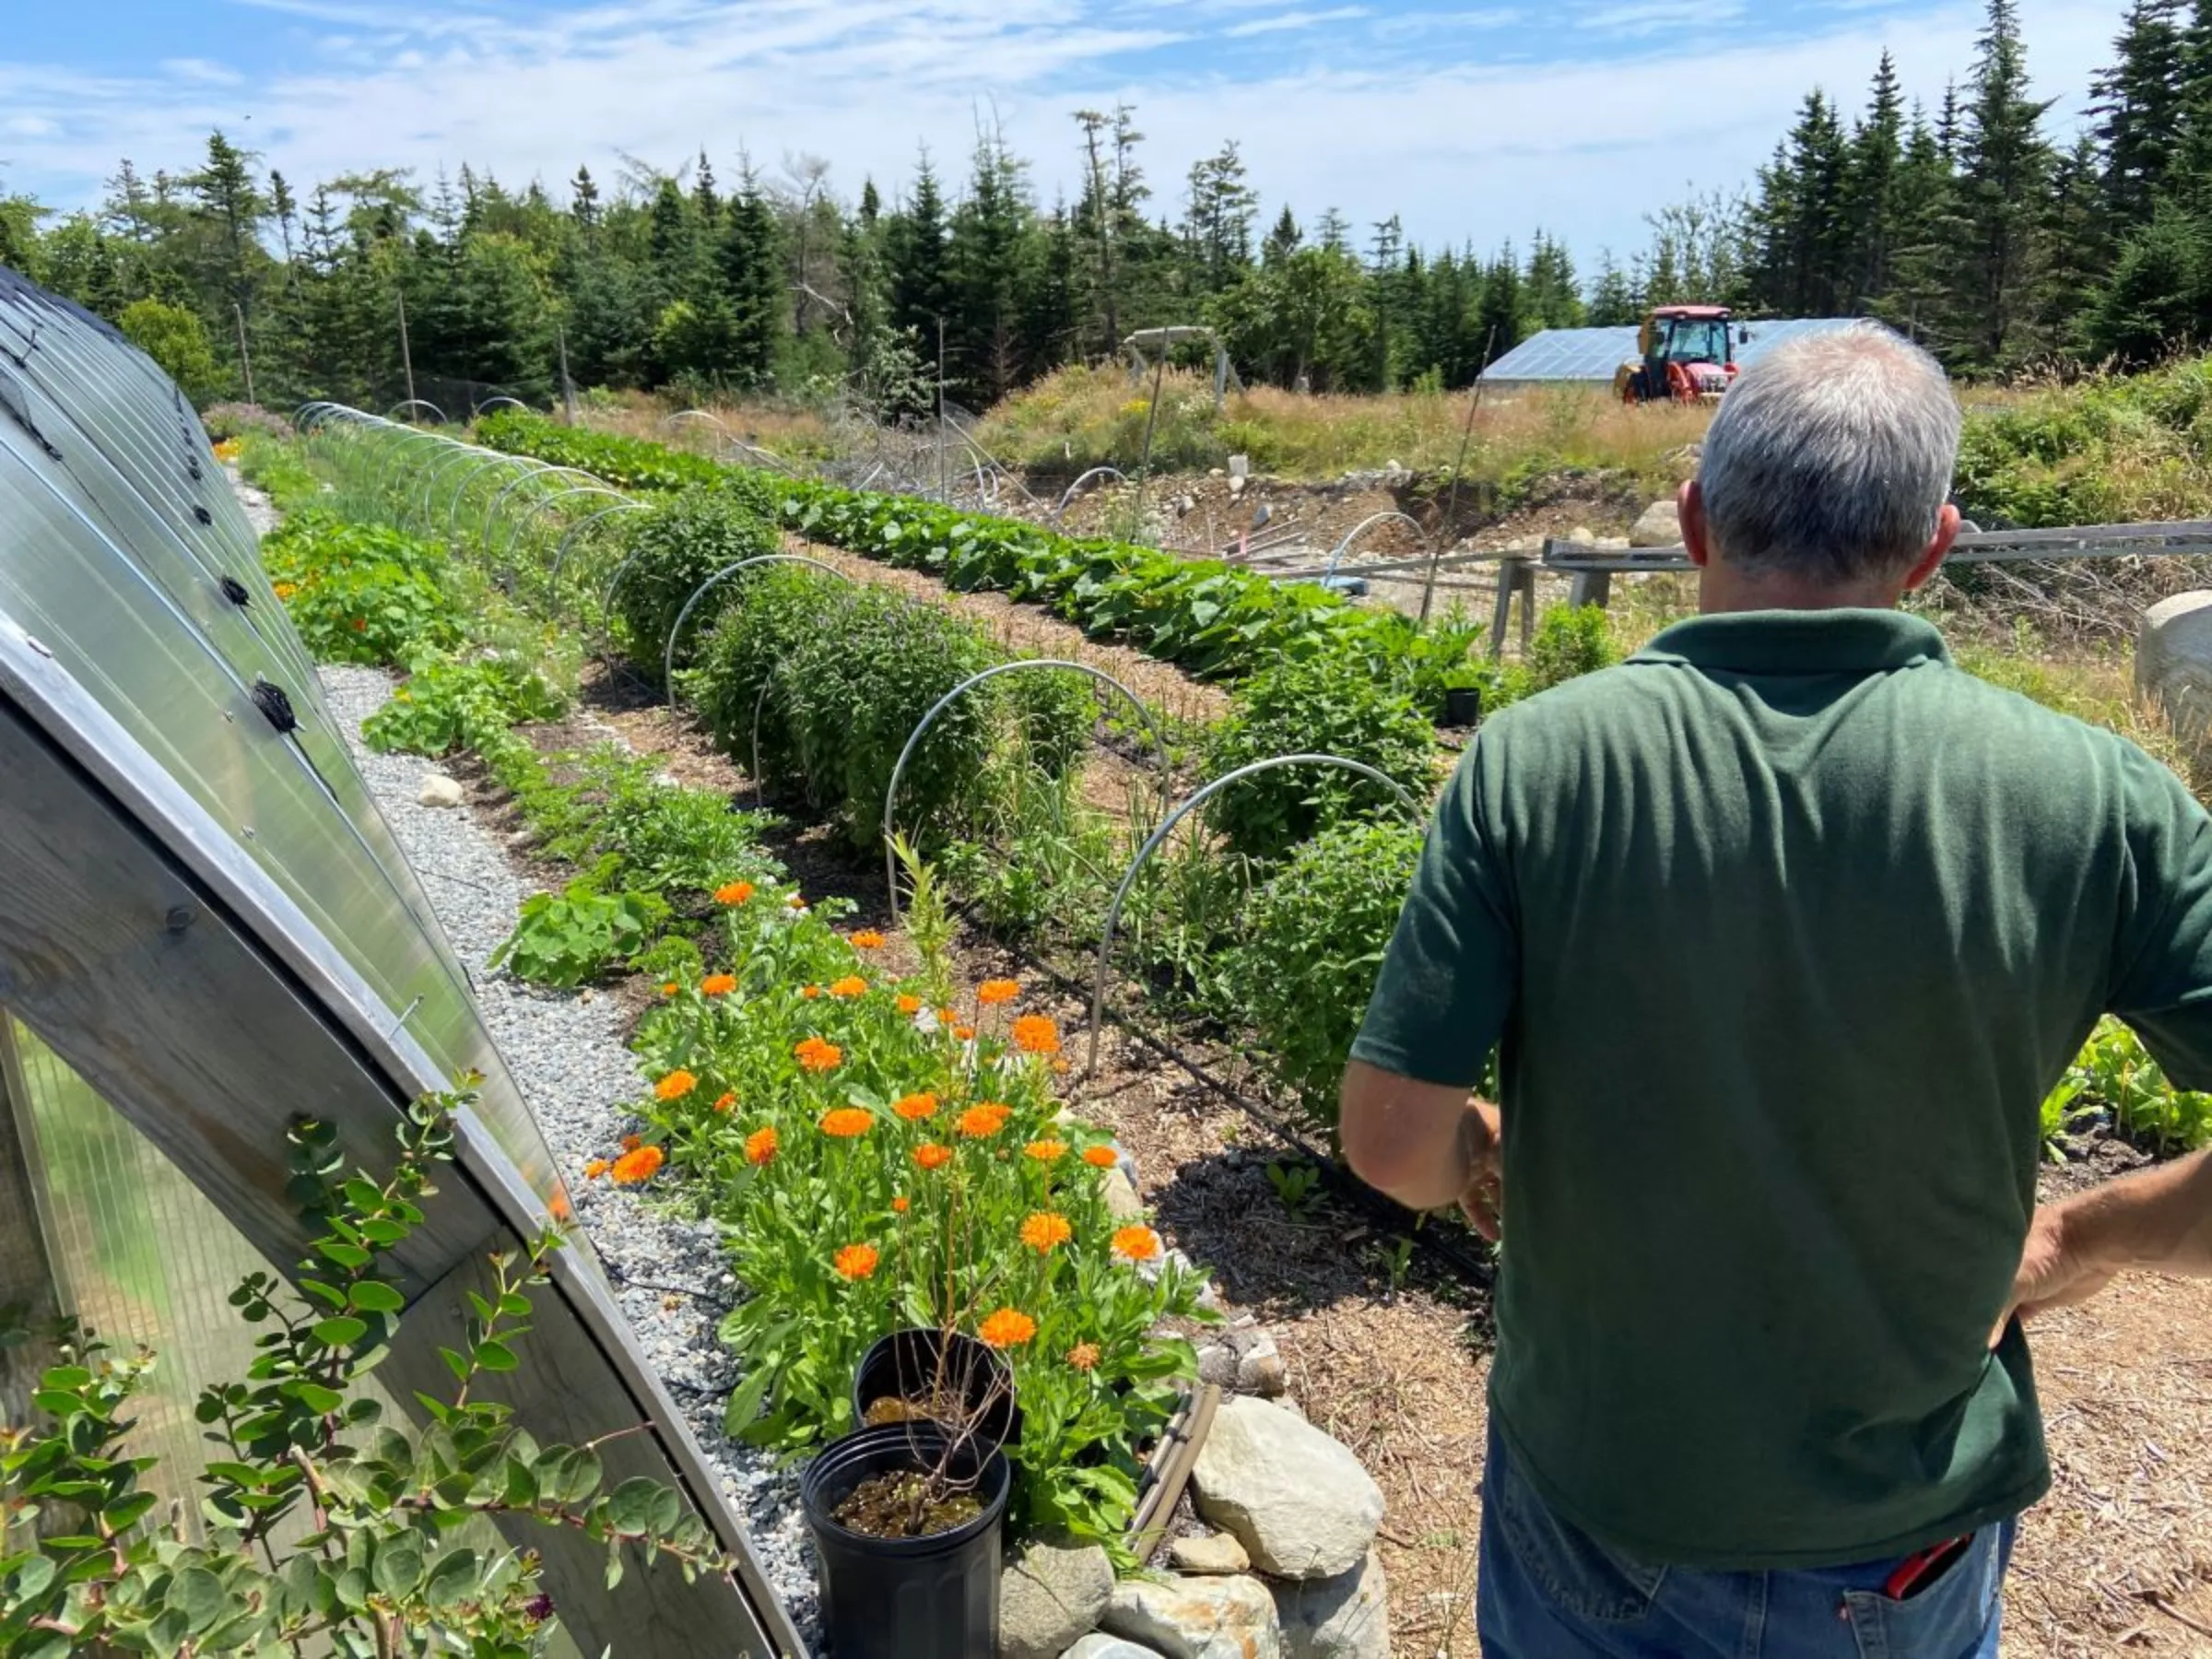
1338	1179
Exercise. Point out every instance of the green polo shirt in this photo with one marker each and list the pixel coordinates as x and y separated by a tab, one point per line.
1786	926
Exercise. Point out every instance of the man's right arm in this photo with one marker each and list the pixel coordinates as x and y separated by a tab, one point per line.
2157	1220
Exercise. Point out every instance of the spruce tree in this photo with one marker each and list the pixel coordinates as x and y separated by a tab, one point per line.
2000	202
1870	190
2138	104
914	251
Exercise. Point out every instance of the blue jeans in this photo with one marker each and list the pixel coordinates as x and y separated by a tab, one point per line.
1550	1591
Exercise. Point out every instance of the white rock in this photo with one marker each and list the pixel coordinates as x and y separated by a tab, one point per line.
1585	535
2173	665
1261	1369
1217	1364
1297	1499
1049	1596
438	790
1346	1617
1121	1202
1214	1554
1103	1647
1197	1619
1661	526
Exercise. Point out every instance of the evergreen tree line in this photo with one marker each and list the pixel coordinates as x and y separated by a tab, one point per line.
1973	229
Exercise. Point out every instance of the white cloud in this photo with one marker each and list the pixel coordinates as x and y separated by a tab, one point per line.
202	70
1286	21
1466	143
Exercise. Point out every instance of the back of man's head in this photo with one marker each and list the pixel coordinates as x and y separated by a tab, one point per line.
1831	458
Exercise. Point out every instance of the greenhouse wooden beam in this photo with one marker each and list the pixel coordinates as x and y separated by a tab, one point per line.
30	1299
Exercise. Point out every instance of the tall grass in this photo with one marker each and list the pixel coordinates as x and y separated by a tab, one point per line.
1090	417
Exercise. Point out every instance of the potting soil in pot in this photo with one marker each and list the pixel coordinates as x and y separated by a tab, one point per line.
904	1506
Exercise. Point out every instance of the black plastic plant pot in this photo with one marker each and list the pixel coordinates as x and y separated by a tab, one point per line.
1463	705
906	1598
905	1365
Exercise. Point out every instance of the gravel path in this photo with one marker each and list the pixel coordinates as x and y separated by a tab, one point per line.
567	1055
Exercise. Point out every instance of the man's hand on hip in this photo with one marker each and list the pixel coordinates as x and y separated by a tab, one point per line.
2160	1220
1482	1145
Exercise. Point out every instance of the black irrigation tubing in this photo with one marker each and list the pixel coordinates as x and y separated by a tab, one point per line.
1339	1180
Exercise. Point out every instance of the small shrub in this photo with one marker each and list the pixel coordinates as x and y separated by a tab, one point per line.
674	548
2116	1074
358	593
1310	945
1327	705
660	838
1569	643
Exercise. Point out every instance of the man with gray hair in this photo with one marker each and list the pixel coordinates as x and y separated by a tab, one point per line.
1783	929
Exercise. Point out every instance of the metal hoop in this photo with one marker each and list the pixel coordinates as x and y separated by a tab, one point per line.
437	470
452	519
561	552
492	507
698	592
493	403
913	738
418	403
1096	472
1357	531
530	514
396	450
1114	910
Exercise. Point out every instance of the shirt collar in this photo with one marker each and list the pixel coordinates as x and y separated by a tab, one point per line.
1800	642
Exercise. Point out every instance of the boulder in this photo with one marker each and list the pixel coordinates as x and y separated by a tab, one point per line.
1049	1596
2174	666
1197	1619
438	790
1217	1364
1214	1554
1346	1617
1297	1499
1101	1646
1585	535
1661	526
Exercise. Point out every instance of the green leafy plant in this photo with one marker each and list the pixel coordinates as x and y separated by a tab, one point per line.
676	546
2116	1074
1569	643
1297	1188
448	700
577	935
358	593
328	1530
1315	705
1313	941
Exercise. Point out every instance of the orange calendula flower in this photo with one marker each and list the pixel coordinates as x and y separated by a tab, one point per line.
899	1204
734	893
963	1033
1036	1034
1101	1157
1044	1229
1137	1244
855	1261
947	1015
1084	1356
670	989
634	1169
980	1123
284	590
675	1085
991	992
914	1108
867	938
910	1005
931	1156
760	1146
718	985
847	1122
596	1167
726	1103
818	1056
1046	1151
1006	1328
852	985
810	992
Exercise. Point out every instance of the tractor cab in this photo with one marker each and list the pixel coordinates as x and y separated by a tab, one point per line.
1687	355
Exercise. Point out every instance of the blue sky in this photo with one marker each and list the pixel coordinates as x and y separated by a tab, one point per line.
1473	119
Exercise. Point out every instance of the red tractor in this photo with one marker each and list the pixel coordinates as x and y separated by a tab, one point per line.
1688	355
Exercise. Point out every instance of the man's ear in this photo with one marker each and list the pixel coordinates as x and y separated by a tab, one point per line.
1690	506
1947	532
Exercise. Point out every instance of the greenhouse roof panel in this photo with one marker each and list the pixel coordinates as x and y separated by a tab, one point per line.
1593	354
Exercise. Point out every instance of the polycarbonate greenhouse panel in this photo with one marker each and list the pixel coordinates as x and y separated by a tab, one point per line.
1594	354
128	561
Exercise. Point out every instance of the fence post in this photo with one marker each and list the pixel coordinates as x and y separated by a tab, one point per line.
1591	587
1515	575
